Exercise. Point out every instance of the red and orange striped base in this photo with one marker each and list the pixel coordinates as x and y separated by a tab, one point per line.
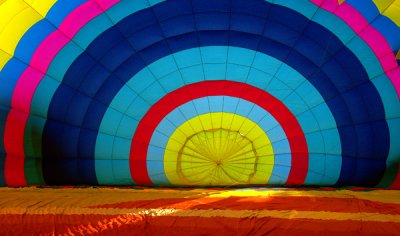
257	211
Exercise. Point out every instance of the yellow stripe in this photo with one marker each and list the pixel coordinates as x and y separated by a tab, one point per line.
218	149
16	17
385	196
42	7
284	214
4	58
383	4
389	8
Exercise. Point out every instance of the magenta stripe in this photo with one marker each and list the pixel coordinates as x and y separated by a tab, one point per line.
30	79
395	74
349	14
47	50
105	4
24	90
50	47
79	18
369	34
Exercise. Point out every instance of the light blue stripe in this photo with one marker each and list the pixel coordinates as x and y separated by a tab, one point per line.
360	49
121	10
125	8
296	99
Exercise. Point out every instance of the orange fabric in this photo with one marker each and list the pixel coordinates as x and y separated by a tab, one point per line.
167	225
253	211
260	203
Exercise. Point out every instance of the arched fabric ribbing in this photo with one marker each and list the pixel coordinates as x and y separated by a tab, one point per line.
340	91
82	87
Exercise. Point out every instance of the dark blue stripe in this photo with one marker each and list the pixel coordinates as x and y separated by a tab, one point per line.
140	40
24	51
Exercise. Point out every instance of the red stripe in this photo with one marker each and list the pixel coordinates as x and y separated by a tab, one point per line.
14	170
396	183
26	86
133	224
171	101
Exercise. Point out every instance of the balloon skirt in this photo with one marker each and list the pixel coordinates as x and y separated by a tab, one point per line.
149	211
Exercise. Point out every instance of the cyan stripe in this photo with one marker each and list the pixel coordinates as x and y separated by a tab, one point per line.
313	108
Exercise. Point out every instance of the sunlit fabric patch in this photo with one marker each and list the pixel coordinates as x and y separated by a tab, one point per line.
249	211
218	149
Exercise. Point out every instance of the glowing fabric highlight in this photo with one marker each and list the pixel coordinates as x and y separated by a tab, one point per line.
218	149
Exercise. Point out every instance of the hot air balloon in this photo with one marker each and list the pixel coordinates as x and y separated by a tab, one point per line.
200	92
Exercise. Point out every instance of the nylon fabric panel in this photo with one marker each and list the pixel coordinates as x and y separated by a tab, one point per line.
365	109
211	36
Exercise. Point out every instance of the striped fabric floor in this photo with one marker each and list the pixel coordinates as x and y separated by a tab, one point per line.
250	211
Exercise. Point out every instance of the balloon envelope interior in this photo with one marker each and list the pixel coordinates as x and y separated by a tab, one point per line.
200	92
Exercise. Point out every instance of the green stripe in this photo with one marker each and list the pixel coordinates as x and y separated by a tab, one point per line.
33	152
390	175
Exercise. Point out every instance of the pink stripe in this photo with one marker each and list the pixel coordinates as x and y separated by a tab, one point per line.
332	5
349	14
47	50
105	4
327	5
25	89
50	47
80	17
317	2
30	79
389	62
368	33
395	74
